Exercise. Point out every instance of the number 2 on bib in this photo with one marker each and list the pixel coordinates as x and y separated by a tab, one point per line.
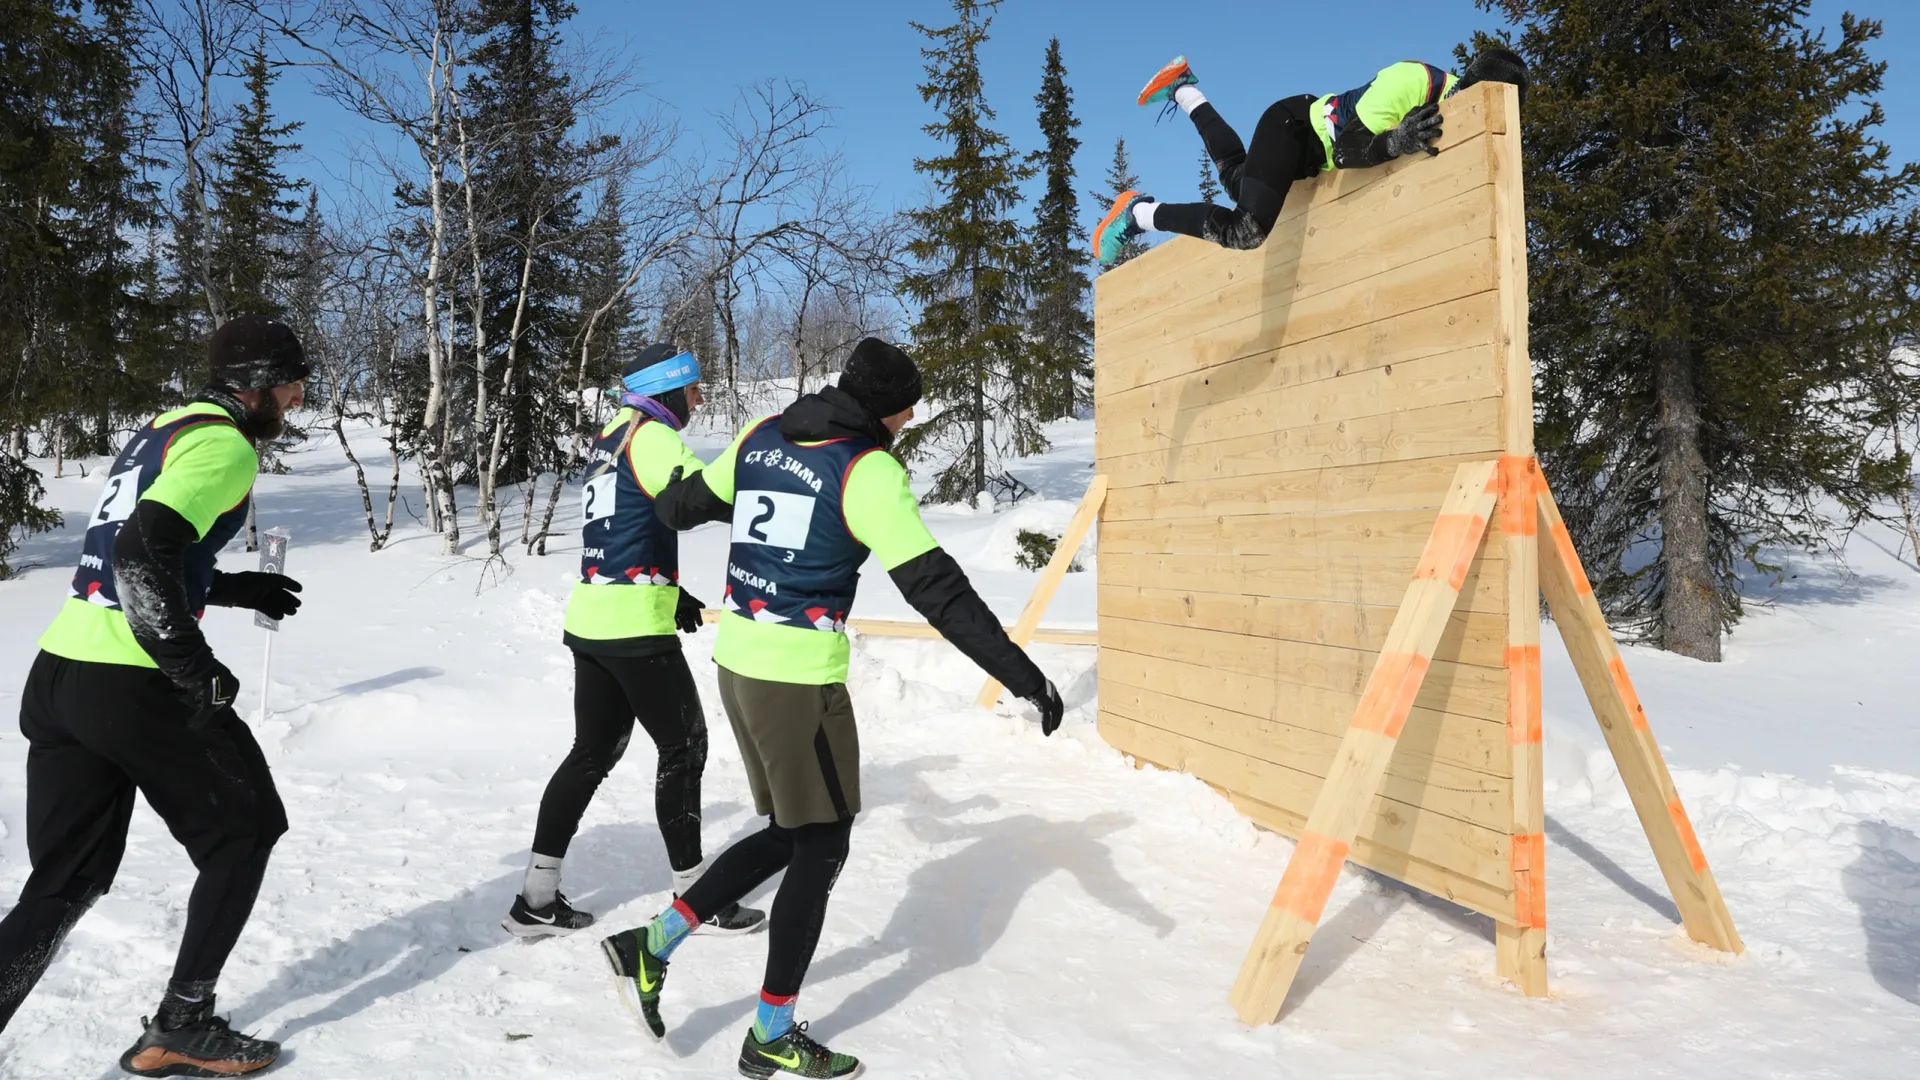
774	518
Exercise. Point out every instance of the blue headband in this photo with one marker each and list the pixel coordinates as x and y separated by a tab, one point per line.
672	373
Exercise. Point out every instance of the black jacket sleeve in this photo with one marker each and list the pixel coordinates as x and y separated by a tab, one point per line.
686	503
939	590
1359	148
149	572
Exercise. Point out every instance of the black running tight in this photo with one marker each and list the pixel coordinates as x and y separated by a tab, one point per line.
609	693
812	856
1257	178
97	734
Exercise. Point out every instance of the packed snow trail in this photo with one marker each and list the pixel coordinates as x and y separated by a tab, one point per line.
1014	906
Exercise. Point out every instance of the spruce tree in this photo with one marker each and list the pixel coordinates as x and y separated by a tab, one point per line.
75	202
969	334
1120	178
255	201
1209	178
526	181
1708	206
1060	330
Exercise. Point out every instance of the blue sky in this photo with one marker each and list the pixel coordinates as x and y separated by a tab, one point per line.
862	57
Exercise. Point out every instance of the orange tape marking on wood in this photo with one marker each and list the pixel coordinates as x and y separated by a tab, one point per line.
1623	682
1570	558
1529	880
1310	875
1390	693
1523	694
1688	840
1519	478
1448	556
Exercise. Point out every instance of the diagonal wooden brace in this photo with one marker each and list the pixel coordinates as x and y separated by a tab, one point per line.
1260	990
1050	578
1642	767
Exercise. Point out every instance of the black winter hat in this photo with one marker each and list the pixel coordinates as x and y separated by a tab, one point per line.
253	352
881	377
1496	65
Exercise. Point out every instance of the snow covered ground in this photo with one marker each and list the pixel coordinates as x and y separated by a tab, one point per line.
1014	906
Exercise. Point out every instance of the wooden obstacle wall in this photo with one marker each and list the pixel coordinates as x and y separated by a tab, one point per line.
1279	428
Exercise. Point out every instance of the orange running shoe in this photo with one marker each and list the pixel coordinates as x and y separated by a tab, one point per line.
1111	235
1160	88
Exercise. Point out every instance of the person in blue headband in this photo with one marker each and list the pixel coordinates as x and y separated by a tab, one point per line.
627	662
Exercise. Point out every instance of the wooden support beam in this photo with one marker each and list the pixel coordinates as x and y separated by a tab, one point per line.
1051	577
1520	938
1624	722
1338	812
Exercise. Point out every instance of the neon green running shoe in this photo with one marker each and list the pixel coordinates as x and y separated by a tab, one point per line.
640	975
796	1054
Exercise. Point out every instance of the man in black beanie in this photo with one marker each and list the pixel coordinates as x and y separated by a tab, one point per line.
811	493
126	697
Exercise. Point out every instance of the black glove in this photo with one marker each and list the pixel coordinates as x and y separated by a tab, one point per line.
211	694
1418	130
687	616
269	594
1051	708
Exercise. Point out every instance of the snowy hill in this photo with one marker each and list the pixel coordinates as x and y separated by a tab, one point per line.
1014	906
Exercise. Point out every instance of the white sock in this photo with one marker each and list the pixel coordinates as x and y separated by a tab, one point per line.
543	880
684	879
1143	213
1189	98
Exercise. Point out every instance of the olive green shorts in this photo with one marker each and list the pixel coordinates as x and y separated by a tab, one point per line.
800	746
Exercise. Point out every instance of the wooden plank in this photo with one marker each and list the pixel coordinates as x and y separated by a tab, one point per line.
1278	320
1050	578
1467	117
1317	622
1341	807
1624	723
1415	778
1461	642
1349	578
1201	409
1429	331
1521	943
1469	427
1484	897
1469	742
1379	486
1384	534
1354	240
1470	850
1463	689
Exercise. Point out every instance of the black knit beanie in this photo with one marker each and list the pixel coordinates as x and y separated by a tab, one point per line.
1496	65
882	378
253	352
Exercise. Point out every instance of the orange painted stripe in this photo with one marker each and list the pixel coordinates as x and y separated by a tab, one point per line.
1310	875
1623	683
1519	477
1523	694
1450	550
1696	857
1391	688
1570	558
1530	880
